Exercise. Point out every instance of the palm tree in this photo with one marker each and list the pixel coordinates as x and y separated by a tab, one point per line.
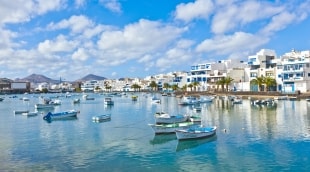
135	87
166	86
190	86
175	87
228	81
221	82
258	81
153	85
270	82
195	84
184	88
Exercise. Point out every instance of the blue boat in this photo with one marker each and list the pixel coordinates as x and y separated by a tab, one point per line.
195	132
60	115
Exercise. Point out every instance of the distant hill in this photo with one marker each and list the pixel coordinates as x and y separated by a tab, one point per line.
35	78
90	77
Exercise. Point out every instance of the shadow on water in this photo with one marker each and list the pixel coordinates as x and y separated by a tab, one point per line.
188	144
162	138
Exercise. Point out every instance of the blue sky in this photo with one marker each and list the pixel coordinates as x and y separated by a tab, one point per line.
138	38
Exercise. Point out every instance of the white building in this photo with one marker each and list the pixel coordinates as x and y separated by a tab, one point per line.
263	64
295	71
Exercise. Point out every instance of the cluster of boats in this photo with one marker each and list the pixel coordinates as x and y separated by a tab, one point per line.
184	126
192	100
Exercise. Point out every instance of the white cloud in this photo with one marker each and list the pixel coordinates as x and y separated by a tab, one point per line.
80	54
77	24
236	15
198	9
20	10
61	44
79	3
112	5
238	42
180	54
279	22
136	40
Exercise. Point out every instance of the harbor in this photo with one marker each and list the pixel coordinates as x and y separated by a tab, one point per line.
253	137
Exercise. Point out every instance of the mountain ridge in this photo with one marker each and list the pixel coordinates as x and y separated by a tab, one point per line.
38	78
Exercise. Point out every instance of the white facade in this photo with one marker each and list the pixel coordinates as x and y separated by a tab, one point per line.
296	71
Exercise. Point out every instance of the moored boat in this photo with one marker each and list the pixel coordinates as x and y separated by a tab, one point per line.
16	112
165	118
60	115
43	106
100	118
134	98
75	101
195	132
108	101
30	113
188	100
170	128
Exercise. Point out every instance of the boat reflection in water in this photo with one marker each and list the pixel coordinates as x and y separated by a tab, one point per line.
188	144
162	138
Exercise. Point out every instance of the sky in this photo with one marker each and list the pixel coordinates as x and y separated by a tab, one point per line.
138	38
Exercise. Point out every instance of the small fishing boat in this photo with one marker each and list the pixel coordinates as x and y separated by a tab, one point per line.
16	112
108	101
100	118
43	106
60	115
30	113
170	128
197	108
195	118
165	118
75	101
154	99
195	132
134	98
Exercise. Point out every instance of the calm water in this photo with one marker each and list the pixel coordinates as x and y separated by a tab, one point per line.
256	138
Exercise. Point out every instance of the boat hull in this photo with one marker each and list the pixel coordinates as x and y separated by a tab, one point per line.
171	119
169	128
101	118
195	134
60	115
44	106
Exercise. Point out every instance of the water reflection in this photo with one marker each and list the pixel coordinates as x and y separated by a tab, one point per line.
189	144
162	138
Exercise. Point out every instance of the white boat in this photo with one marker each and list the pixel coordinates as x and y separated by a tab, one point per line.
55	102
237	100
100	118
281	98
108	101
25	99
155	99
30	113
60	115
195	118
206	99
188	100
165	118
195	132
197	109
43	106
75	101
170	128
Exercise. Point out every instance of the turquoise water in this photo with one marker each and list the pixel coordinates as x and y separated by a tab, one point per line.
249	138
